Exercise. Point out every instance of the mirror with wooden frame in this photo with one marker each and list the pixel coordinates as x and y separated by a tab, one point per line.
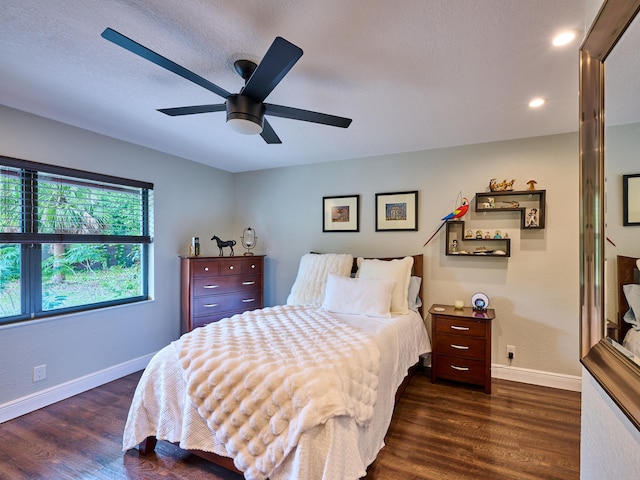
600	355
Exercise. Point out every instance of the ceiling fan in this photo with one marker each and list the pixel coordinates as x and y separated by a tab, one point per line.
245	110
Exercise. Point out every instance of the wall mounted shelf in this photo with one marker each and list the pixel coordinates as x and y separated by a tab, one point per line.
474	247
530	204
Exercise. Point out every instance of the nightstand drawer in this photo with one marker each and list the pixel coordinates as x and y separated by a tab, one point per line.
460	326
460	369
464	346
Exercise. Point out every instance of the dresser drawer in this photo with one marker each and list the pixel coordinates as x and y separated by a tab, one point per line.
204	267
460	369
460	326
238	266
460	345
226	284
206	319
240	301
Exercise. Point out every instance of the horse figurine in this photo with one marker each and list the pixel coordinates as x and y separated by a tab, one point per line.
222	244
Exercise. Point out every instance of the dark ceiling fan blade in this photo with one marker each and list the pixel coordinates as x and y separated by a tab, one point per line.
268	133
279	59
144	52
306	115
174	112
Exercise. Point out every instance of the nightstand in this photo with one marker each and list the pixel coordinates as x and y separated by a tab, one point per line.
461	345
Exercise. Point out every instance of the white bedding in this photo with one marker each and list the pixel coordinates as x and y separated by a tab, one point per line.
631	342
340	448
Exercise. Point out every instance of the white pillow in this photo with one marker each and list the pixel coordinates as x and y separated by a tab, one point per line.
413	297
398	271
632	293
310	283
359	296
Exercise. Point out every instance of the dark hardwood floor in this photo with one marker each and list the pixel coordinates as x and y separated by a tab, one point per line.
439	431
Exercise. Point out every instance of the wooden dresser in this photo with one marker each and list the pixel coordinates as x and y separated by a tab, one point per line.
461	344
213	288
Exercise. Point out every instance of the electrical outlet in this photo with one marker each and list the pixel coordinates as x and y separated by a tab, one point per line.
511	352
39	373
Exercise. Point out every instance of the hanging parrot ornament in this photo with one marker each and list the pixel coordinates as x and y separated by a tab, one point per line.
457	213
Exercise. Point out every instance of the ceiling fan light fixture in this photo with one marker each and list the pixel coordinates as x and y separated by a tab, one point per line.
245	115
246	126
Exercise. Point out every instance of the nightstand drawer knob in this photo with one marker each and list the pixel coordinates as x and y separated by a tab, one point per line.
461	369
456	327
460	347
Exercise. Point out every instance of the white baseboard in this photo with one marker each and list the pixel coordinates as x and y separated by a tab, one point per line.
30	403
537	377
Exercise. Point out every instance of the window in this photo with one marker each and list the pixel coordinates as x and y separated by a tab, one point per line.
70	240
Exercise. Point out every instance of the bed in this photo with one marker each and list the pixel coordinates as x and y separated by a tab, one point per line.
302	390
628	274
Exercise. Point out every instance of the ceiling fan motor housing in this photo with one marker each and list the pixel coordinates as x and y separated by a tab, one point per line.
240	107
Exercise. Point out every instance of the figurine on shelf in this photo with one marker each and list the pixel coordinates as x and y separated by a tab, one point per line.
469	234
497	235
454	246
487	236
490	203
478	233
532	184
502	186
506	235
532	218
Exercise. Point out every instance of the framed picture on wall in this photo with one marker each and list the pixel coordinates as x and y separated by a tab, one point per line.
396	211
631	199
341	214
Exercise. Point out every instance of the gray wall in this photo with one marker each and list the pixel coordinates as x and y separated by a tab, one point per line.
535	292
609	442
190	200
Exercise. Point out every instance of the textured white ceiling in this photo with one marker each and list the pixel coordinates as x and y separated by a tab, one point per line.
412	74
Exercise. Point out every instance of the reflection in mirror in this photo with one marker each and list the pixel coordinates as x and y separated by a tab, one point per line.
622	153
615	374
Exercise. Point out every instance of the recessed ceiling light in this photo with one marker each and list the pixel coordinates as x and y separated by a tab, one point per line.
564	38
536	102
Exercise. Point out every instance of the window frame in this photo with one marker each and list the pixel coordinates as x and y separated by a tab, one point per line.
31	242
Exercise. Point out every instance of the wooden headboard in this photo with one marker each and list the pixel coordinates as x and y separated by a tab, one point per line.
627	269
417	271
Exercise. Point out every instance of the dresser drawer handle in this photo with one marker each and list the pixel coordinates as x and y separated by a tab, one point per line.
460	347
210	305
456	327
230	267
461	369
248	300
253	266
210	286
248	283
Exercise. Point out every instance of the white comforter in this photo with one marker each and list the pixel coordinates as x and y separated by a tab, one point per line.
341	447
